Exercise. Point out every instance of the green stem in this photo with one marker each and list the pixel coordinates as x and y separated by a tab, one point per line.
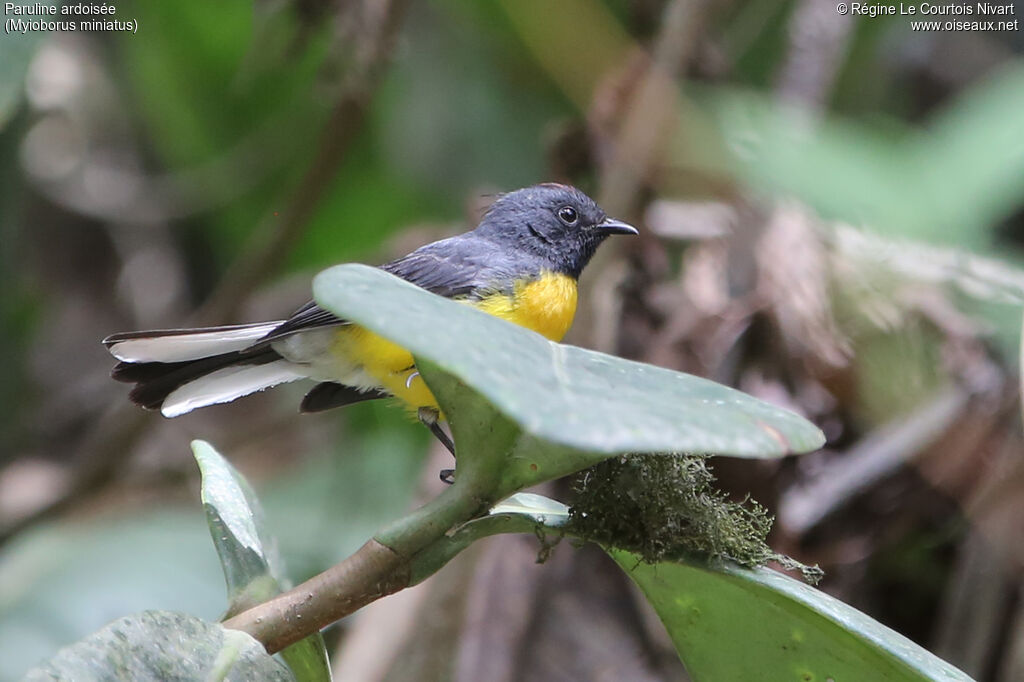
462	501
432	558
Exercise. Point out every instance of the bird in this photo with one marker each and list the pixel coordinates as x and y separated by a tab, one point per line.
521	263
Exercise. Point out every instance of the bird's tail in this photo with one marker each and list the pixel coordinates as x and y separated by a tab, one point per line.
179	370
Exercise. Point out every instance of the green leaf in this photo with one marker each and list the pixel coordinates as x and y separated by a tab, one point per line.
252	568
561	395
738	624
945	183
161	645
248	557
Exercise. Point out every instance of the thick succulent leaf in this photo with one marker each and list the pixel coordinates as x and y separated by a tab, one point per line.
161	645
248	554
739	624
561	394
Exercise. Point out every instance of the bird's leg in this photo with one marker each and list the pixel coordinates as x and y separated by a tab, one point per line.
428	416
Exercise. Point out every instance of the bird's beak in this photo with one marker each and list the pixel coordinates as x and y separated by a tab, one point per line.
612	226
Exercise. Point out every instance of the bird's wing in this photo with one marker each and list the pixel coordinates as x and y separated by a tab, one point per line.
460	267
309	316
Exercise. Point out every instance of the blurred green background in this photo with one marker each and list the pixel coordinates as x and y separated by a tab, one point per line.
832	217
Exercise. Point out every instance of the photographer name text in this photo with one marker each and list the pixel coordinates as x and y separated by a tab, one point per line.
980	16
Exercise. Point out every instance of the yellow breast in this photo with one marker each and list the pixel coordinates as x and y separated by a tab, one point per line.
546	305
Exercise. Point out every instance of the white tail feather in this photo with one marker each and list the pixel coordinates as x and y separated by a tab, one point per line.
227	384
176	347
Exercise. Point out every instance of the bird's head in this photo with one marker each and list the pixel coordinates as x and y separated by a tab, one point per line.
558	223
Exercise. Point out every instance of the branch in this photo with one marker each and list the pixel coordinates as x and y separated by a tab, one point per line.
374	571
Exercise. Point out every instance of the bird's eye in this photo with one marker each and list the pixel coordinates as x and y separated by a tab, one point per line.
568	215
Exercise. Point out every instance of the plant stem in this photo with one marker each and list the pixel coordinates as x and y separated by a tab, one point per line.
374	571
434	557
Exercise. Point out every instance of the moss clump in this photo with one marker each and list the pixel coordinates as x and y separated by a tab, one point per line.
666	508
